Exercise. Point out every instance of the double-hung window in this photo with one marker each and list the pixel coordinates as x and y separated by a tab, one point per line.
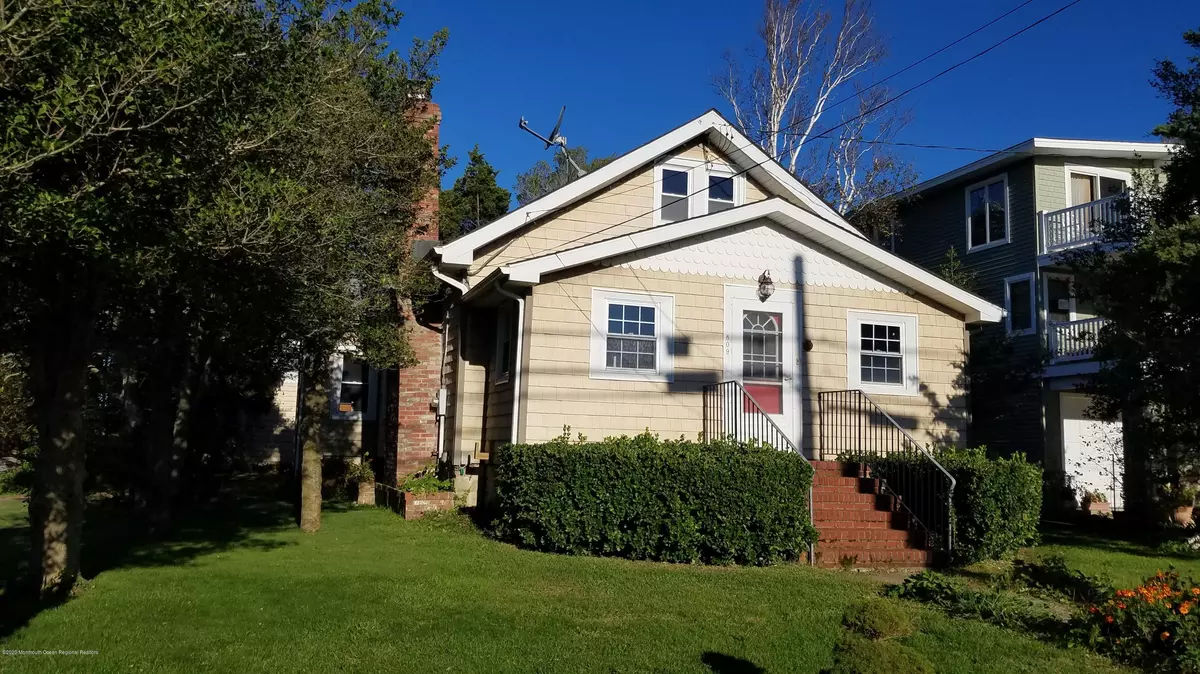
882	352
1019	302
987	213
631	335
350	391
688	188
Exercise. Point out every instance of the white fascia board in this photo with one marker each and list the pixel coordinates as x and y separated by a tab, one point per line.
817	229
460	252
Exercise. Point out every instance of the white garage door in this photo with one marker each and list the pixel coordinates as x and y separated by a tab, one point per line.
1093	449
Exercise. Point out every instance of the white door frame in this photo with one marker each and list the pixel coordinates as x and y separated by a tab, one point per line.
739	298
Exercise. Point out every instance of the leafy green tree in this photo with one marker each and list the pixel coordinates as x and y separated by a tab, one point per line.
474	201
544	177
1150	292
178	180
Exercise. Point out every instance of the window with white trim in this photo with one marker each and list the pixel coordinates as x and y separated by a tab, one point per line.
1019	304
350	391
502	358
674	194
631	335
882	353
987	213
716	188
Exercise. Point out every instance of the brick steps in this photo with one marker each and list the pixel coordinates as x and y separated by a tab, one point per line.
859	527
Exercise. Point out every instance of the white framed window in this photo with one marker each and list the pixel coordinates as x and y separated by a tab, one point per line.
688	188
1089	183
987	213
882	353
1019	304
351	391
503	356
632	336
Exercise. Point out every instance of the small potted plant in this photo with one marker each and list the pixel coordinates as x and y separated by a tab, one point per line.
1180	499
424	492
1095	502
361	474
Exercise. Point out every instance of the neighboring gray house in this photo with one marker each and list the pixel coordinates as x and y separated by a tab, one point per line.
1007	215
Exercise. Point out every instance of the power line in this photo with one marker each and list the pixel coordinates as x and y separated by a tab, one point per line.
857	94
825	134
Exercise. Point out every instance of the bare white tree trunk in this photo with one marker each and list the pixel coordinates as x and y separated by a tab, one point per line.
805	61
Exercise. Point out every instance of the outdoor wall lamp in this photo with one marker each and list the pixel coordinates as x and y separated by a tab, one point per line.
766	287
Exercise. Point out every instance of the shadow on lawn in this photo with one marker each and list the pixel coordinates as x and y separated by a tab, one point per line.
721	663
115	537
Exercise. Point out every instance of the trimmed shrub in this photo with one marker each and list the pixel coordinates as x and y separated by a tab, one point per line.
643	498
878	619
855	655
997	503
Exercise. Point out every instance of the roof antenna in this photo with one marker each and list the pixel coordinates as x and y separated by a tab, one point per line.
555	140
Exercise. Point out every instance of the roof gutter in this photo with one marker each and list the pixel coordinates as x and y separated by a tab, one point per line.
450	280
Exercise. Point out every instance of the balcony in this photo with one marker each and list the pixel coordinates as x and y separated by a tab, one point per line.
1073	340
1080	225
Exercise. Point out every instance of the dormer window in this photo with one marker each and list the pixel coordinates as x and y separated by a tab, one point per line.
689	188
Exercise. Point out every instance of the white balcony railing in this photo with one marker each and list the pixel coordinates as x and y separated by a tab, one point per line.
1079	225
1074	340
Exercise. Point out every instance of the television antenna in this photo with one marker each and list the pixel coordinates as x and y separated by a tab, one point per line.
555	140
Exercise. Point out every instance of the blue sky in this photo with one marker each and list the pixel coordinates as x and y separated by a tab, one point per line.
628	71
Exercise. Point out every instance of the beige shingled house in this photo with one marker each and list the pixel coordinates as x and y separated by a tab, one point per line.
639	295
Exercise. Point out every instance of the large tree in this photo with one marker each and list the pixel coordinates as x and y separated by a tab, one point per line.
783	92
544	177
185	187
474	201
1150	292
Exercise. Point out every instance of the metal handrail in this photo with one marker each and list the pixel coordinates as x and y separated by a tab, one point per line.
716	426
863	431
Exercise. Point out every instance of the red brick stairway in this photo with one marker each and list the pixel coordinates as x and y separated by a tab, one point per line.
860	527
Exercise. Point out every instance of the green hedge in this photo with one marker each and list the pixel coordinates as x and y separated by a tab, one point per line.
643	498
997	501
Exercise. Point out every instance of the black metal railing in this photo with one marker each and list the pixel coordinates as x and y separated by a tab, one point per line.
732	413
856	430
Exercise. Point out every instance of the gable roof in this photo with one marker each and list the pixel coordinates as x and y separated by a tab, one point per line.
813	228
1062	147
712	126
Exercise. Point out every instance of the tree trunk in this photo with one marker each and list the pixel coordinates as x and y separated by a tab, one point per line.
315	408
58	370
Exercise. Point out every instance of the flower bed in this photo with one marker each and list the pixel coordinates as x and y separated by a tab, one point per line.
1154	625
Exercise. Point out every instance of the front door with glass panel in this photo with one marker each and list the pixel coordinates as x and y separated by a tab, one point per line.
761	353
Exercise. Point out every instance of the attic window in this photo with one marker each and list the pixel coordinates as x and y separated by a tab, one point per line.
720	193
674	195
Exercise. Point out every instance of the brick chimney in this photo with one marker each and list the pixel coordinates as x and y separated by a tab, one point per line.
412	408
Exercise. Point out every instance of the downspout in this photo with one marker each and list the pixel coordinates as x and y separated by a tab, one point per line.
441	394
517	357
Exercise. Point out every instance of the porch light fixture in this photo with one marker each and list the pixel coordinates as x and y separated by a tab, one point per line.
766	287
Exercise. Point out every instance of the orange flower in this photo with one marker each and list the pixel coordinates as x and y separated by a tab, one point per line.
1164	636
1184	608
1196	591
1093	609
1108	619
1120	606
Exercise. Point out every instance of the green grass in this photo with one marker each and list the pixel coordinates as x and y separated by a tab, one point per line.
241	590
1125	562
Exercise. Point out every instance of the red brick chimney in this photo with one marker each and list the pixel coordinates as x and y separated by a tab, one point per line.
417	390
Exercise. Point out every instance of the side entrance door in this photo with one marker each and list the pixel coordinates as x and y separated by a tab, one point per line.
761	353
1093	450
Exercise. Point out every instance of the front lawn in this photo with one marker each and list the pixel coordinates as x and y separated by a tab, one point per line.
1125	562
241	590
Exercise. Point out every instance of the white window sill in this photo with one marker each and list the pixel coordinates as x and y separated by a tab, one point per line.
888	389
986	246
633	375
